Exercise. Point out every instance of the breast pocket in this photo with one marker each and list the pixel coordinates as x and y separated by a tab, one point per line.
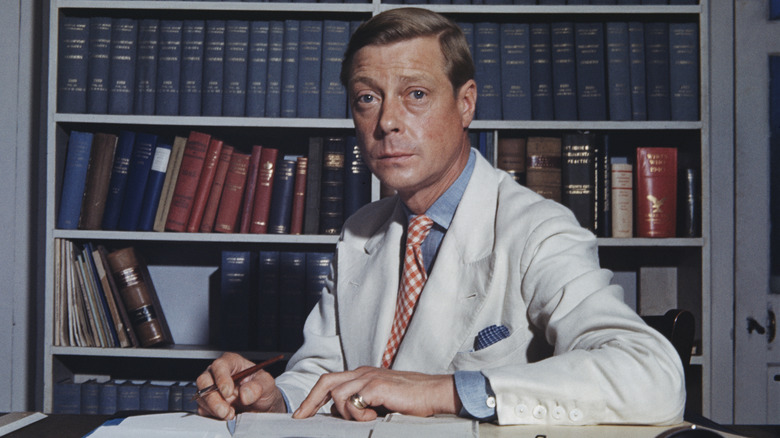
510	350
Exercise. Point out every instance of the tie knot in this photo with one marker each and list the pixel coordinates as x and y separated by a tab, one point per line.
418	229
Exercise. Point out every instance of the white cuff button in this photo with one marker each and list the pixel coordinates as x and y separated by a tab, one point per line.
540	412
558	412
575	415
520	410
491	402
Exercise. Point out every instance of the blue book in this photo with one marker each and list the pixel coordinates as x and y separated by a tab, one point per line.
684	71
268	301
468	32
541	72
169	68
564	70
154	185
591	70
124	39
487	63
128	396
213	67
236	57
257	68
618	70
774	9
237	285
333	100
66	397
292	300
516	71
332	186
154	397
273	96
282	197
137	175
176	397
188	402
74	179
107	396
317	272
357	178
90	391
146	66
310	62
99	57
290	54
636	56
193	34
72	64
117	185
657	70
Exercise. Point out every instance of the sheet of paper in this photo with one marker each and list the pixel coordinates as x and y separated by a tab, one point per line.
397	425
165	425
282	425
17	420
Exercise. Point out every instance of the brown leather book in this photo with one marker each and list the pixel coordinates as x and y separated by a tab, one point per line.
187	181
171	176
265	181
232	193
656	192
210	212
251	187
299	196
511	157
204	184
101	160
543	166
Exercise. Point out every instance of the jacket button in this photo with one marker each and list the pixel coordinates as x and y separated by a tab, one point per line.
540	412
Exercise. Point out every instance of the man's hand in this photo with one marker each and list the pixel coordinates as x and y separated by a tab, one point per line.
382	389
257	392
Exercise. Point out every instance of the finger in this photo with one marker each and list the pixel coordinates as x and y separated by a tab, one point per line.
367	413
320	394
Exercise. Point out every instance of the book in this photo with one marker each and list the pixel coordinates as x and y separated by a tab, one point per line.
66	397
618	70
139	297
90	390
169	68
137	176
176	397
636	56
357	178
124	39
74	179
187	181
171	176
268	301
333	100
107	398
101	160
251	186
145	90
280	213
309	68
311	217
515	71
299	196
684	71
332	186
215	194
511	157
128	396
122	322
622	197
108	289
213	67
657	289
603	213
657	70
290	61
205	181
153	397
154	186
543	166
117	185
564	70
261	206
591	70
232	193
273	94
292	301
237	284
656	191
72	64
487	64
578	177
541	72
235	68
689	203
193	35
257	68
317	272
98	63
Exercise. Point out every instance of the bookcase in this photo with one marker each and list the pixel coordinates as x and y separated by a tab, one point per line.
183	265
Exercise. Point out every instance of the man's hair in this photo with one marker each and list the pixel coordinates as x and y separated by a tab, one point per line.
403	24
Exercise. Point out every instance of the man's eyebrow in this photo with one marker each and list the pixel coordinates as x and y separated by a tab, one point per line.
405	79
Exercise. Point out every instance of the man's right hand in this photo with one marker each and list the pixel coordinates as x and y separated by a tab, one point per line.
257	392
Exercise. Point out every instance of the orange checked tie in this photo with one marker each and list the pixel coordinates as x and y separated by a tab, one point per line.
412	282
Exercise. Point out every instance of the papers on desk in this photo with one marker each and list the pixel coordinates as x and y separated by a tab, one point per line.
16	420
181	425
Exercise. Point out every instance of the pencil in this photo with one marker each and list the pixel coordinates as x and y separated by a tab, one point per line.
239	376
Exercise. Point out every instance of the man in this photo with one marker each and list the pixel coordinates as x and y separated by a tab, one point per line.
503	266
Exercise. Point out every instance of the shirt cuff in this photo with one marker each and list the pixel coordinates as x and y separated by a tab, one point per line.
476	396
286	402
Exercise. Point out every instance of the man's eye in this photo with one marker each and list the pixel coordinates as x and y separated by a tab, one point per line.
418	94
366	98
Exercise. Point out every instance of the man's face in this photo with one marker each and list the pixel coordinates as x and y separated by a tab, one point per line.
410	125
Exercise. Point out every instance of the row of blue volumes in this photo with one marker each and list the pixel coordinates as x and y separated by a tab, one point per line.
545	2
202	67
586	70
265	297
114	396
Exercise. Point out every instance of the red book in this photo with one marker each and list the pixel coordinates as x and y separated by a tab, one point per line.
210	212
204	184
299	196
251	186
656	192
265	180
187	182
232	193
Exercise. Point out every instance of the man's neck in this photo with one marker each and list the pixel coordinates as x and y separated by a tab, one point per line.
418	202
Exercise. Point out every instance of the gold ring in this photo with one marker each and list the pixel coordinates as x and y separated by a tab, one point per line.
357	401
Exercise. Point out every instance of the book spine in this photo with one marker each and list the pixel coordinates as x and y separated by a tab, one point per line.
591	71
118	183
107	397
311	217
193	36
72	67
684	71
541	72
333	101
604	186
299	196
622	198
154	185
357	178
487	63
251	187
656	191
90	391
515	71
232	193
137	176
268	301
317	272
213	67
124	39
74	179
108	295
657	70
97	180
578	177
237	283
273	95
210	211
176	397
332	186
128	396
511	157
145	92
204	184
257	68
261	206
98	64
689	207
543	171
126	324
169	68
564	70
618	71
282	197
66	397
171	176
310	50
636	39
292	282
187	181
290	60
153	397
236	58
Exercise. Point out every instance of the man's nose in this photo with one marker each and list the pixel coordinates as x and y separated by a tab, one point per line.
390	118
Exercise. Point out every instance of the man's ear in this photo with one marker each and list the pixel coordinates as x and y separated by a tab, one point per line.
467	102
